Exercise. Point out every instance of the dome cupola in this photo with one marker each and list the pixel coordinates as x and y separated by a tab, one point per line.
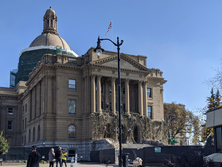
50	36
50	22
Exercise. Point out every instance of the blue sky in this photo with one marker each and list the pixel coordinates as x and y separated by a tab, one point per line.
181	38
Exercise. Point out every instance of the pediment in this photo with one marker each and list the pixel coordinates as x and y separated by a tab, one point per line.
125	63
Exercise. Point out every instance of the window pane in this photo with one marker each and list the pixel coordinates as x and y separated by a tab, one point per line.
148	90
10	111
38	132
219	138
72	84
10	125
72	106
33	139
72	131
149	110
110	89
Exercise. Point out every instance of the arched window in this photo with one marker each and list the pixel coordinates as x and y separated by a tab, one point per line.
38	137
33	139
72	132
29	135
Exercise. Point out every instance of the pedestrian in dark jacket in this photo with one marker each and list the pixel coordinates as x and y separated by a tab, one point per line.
34	158
58	156
51	157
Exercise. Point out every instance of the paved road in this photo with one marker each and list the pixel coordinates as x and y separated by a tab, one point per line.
68	165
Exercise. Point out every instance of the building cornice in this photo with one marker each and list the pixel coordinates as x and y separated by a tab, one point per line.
157	79
122	56
9	96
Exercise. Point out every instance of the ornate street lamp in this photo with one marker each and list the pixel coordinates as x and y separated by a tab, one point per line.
99	51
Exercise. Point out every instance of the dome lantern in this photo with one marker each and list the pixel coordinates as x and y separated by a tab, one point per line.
50	22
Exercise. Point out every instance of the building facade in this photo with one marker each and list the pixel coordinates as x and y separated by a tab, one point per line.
71	101
214	121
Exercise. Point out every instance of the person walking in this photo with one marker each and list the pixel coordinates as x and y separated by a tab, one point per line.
64	155
34	158
58	156
51	157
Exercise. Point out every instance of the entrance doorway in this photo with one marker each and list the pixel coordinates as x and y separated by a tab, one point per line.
72	153
124	134
135	134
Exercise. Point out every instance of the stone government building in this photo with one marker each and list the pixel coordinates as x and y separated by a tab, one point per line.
57	98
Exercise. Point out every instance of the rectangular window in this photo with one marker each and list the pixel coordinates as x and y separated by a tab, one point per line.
102	105
123	91
110	107
148	90
149	111
10	111
72	84
25	122
25	107
219	139
101	88
107	105
72	107
110	89
10	125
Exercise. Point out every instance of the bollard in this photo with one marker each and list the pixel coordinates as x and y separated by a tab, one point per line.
72	160
76	160
125	160
1	160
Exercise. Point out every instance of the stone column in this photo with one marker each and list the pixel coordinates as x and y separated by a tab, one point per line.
145	98
127	104
107	94
113	95
34	103
85	93
30	107
140	98
38	100
93	106
49	95
99	94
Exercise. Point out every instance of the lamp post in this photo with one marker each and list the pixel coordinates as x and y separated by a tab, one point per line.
99	51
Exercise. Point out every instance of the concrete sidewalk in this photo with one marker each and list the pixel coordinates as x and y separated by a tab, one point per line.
87	164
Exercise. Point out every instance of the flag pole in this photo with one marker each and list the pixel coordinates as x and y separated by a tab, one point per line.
111	35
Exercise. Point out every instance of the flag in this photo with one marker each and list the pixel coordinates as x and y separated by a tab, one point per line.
110	26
